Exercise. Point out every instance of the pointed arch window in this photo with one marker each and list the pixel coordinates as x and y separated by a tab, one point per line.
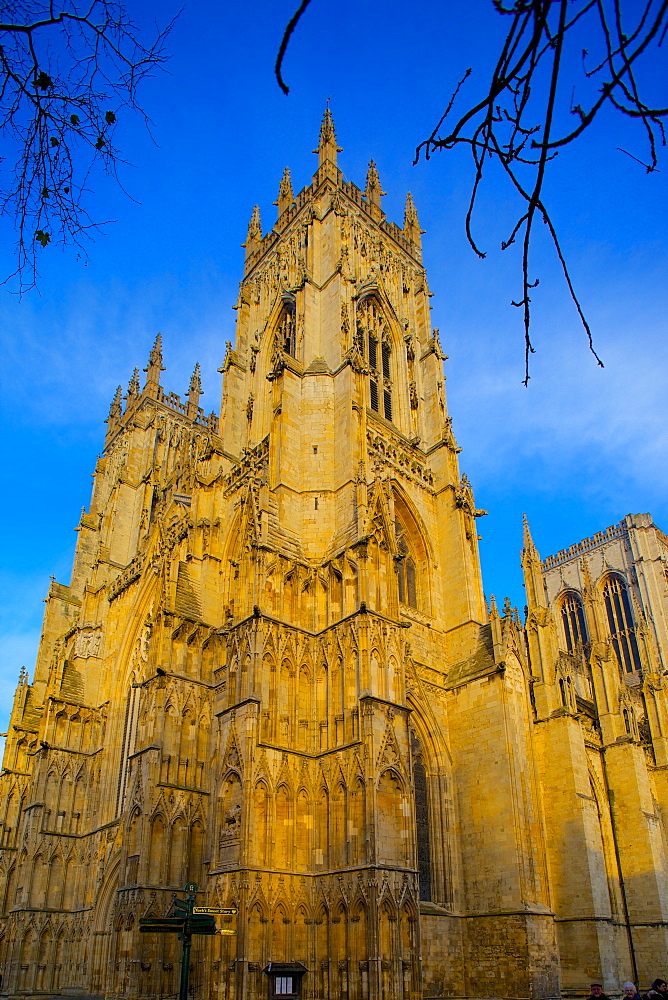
411	563
573	621
421	819
286	336
374	337
127	744
406	577
620	623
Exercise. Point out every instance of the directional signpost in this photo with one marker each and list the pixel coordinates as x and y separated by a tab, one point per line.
187	920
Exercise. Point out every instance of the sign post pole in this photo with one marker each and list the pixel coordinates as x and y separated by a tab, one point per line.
185	966
186	938
188	920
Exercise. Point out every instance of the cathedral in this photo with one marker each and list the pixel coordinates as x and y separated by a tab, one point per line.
274	674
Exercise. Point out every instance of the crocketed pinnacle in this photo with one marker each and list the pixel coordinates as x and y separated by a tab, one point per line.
412	229
373	192
115	410
534	584
530	549
195	387
154	366
327	146
254	234
133	385
285	196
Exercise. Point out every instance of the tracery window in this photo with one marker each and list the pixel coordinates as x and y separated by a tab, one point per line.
421	819
620	623
374	337
286	331
573	621
406	578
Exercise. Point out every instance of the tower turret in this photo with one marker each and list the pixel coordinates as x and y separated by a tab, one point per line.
327	144
194	392
285	196
533	577
133	386
154	368
412	229
373	192
116	408
254	234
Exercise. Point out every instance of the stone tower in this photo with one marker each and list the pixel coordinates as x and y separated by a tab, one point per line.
273	672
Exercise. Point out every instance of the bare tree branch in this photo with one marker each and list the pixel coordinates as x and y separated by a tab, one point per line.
68	70
514	122
292	24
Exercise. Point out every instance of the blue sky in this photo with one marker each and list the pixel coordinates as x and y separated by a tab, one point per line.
577	450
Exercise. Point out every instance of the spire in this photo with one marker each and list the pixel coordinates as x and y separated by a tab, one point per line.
254	234
285	196
194	392
327	147
116	410
532	569
529	546
373	192
133	386
154	366
412	229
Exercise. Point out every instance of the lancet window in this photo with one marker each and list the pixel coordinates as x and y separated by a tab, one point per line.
573	621
128	745
286	331
620	623
374	338
406	578
421	819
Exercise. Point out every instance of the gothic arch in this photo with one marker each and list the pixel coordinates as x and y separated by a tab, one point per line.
573	620
615	593
303	829
339	931
59	953
387	922
322	839
26	959
54	888
104	938
260	830
391	822
439	814
339	824
69	882
304	704
157	849
378	339
415	552
178	852
44	959
60	728
79	798
283	825
301	933
38	881
258	926
196	838
322	950
279	931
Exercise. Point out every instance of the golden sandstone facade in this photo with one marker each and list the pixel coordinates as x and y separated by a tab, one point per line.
274	673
